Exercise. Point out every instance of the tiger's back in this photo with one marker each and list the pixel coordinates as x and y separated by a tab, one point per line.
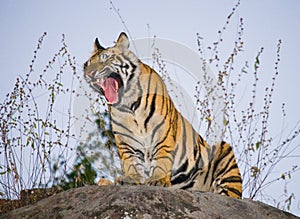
156	144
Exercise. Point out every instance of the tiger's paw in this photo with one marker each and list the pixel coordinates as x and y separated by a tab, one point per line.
128	180
104	182
164	182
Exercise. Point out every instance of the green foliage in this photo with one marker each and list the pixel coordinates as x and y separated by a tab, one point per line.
105	129
96	151
81	174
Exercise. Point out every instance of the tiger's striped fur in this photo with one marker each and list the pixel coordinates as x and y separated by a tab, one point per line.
156	144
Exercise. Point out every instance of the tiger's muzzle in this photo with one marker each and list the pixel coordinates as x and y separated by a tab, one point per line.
107	83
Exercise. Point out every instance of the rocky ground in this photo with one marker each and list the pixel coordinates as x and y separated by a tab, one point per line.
111	202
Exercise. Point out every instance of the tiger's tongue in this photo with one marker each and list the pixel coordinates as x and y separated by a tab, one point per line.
110	87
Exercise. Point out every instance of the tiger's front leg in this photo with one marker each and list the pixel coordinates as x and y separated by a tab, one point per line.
161	167
132	172
159	180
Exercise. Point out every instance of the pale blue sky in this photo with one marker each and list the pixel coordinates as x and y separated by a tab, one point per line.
23	22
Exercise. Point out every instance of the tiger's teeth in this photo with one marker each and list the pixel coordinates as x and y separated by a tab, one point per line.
117	85
101	82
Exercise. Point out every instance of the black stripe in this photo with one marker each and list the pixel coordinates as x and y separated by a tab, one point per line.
123	109
234	166
184	177
131	150
121	125
179	179
121	66
135	105
183	152
222	155
131	166
224	192
152	109
231	179
130	62
163	121
181	169
207	172
223	169
155	129
148	90
130	76
163	99
189	185
165	137
199	163
201	141
235	191
157	167
130	155
165	158
162	147
128	136
123	63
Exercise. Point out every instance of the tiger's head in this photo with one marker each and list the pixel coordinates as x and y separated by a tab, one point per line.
113	71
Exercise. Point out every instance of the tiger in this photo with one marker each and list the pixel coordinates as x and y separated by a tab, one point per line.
156	144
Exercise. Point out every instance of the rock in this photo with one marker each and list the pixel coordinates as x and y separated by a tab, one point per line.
111	202
27	197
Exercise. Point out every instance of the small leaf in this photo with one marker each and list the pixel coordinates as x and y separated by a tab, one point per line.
257	60
225	122
52	97
257	145
209	118
256	64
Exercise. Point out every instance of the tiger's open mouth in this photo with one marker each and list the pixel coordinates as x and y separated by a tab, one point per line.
111	86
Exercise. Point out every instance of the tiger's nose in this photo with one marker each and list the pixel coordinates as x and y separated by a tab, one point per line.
91	74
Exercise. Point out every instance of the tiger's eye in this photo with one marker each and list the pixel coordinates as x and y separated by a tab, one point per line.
104	57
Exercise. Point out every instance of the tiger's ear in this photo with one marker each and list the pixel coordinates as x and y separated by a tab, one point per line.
123	42
97	46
